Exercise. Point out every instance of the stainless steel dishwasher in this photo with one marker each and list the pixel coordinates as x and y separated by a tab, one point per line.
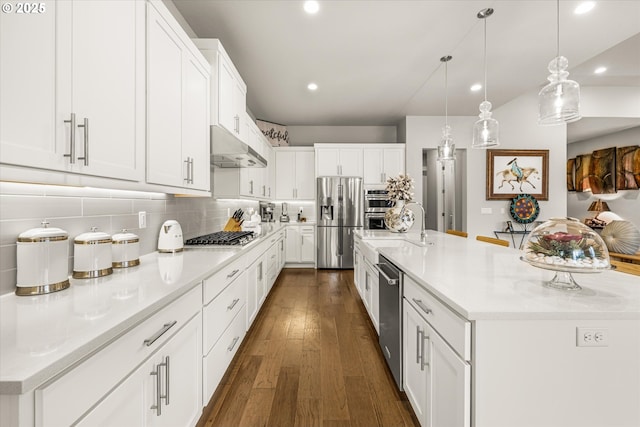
390	282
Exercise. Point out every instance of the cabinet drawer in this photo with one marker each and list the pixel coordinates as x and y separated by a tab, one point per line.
453	328
307	229
215	284
221	311
67	398
218	360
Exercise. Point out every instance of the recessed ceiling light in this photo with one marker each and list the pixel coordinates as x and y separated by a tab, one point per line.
600	70
584	7
476	87
312	86
311	7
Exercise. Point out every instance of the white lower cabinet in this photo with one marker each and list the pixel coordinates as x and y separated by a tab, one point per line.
118	386
255	288
300	244
437	380
372	297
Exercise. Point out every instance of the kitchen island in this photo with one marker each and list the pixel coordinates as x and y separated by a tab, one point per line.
500	349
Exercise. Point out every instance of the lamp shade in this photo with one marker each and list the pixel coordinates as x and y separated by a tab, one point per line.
599	206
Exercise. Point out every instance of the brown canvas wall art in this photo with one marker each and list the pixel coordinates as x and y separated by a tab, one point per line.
582	172
602	171
628	168
571	167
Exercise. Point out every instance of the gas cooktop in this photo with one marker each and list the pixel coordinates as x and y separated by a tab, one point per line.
222	238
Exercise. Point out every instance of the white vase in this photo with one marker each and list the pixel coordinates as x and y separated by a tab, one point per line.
398	218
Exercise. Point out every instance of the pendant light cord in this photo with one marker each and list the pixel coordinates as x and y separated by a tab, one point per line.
485	58
446	95
558	27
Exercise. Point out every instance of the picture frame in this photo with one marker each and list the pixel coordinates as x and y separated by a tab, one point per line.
514	172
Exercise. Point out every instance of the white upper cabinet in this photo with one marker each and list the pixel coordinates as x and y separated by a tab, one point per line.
178	106
295	177
72	82
228	90
382	163
338	159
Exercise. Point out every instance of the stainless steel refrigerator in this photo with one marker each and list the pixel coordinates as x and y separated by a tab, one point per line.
340	201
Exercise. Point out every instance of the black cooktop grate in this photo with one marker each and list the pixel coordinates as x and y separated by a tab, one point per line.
226	238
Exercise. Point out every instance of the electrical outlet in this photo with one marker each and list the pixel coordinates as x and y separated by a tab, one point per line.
592	337
142	219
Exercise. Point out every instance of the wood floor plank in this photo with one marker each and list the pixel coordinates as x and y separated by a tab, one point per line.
284	406
311	358
308	413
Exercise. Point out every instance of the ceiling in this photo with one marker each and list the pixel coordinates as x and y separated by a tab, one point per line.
378	61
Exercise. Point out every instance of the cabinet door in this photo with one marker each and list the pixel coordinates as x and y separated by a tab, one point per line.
32	132
372	172
449	388
307	245
327	162
195	128
305	181
375	299
179	367
416	375
286	176
252	291
164	102
240	110
351	161
125	405
107	69
271	170
226	88
293	244
393	162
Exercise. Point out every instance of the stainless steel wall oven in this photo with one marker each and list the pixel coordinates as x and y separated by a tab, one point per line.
375	206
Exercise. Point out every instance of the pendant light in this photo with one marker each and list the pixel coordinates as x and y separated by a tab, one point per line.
446	149
559	101
485	130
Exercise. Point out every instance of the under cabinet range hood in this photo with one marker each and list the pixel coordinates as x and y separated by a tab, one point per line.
227	151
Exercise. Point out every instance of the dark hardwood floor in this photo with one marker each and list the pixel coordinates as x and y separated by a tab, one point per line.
311	358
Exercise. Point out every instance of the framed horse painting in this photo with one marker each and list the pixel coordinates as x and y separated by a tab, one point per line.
513	172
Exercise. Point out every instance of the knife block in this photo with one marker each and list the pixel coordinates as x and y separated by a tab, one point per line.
232	225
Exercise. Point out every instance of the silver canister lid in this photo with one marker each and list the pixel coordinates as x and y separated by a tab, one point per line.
43	234
93	237
125	237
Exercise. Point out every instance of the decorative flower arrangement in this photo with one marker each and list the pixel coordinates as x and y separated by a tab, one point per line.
400	188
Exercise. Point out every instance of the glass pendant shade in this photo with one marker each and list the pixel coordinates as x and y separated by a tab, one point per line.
485	130
446	149
559	101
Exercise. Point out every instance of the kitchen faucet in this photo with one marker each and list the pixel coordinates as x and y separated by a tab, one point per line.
423	232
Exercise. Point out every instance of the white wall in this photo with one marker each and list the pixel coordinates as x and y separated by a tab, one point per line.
610	101
625	204
309	135
183	22
518	130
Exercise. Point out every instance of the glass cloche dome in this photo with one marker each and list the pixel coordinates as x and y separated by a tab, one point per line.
566	246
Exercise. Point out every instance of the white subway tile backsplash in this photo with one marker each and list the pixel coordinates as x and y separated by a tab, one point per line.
149	205
22	189
7	257
25	207
7	281
92	207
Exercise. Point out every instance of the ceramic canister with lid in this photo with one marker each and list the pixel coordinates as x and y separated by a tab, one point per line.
42	261
125	249
92	255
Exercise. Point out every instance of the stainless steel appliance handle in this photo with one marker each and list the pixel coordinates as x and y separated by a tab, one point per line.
390	281
72	138
423	307
161	332
85	125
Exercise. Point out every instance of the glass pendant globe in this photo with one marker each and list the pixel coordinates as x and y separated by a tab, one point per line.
485	130
446	149
559	101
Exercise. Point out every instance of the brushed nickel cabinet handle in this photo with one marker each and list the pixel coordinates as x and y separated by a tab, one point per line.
72	138
233	273
418	344
167	388
423	307
161	332
85	125
186	162
233	304
233	344
425	362
158	405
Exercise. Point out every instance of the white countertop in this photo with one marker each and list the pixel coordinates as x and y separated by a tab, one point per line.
485	281
42	335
